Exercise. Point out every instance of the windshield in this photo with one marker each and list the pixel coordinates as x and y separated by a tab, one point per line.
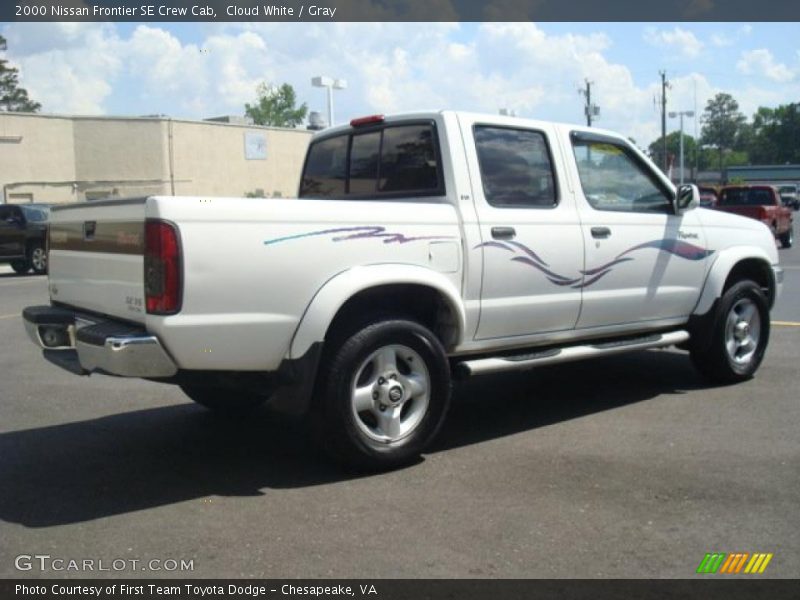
787	189
35	213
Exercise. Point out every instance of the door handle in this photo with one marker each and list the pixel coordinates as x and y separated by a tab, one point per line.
601	233
503	233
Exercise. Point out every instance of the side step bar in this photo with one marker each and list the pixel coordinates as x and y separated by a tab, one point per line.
551	356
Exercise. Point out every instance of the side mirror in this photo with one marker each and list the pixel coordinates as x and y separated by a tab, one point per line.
687	197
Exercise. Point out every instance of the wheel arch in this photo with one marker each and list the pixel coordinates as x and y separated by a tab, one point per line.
429	296
734	265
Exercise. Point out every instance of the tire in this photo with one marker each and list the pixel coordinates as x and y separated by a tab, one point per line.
224	401
21	266
787	239
382	394
37	259
737	335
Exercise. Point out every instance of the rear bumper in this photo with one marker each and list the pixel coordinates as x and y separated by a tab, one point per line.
85	344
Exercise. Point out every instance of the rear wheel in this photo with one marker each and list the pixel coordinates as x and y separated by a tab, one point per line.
738	335
383	393
787	239
224	400
37	257
20	266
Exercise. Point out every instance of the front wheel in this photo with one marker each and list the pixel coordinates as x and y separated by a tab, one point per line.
384	392
738	335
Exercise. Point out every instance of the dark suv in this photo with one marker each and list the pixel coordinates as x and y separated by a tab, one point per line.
23	231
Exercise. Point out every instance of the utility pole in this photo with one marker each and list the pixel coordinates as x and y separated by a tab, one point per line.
588	103
590	109
664	84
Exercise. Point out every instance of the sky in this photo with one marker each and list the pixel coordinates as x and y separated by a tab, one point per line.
198	70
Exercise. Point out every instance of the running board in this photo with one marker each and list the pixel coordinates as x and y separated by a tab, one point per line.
551	356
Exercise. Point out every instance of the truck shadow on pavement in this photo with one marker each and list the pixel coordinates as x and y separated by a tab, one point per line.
137	460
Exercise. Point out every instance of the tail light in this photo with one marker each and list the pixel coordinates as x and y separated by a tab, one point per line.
162	268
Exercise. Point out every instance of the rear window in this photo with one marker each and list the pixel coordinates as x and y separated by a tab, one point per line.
747	197
393	161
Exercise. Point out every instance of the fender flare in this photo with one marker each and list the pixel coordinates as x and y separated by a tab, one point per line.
323	307
723	265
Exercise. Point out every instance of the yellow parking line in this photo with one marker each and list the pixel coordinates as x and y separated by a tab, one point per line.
786	323
14	316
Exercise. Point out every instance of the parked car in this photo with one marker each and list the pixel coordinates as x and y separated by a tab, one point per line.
708	197
422	247
761	202
23	231
790	195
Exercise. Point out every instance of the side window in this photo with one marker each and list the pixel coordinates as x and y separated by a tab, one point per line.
408	160
612	179
516	169
326	168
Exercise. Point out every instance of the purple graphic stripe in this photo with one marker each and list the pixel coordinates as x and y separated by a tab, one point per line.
674	246
529	252
591	280
365	232
606	266
494	245
550	275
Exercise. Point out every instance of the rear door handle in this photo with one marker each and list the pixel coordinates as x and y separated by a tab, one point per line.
503	233
601	233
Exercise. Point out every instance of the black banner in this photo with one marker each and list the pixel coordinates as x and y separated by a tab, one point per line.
402	589
397	10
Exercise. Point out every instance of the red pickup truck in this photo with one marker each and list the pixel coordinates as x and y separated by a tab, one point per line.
760	202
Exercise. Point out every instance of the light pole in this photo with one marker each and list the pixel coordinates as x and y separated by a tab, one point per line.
681	114
331	84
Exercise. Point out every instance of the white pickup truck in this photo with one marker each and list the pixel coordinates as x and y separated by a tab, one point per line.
421	247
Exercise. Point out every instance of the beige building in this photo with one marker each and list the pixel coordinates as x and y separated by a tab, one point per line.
55	159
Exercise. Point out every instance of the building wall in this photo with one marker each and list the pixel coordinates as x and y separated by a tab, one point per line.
211	159
37	158
121	157
56	159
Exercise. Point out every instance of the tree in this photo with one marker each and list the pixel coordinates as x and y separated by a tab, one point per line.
656	149
276	106
723	124
12	97
773	135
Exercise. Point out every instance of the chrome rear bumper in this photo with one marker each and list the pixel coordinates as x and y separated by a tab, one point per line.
87	344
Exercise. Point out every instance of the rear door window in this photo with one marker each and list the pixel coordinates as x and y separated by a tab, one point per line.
516	169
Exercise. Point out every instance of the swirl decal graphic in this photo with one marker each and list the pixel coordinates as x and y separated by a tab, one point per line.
587	277
355	233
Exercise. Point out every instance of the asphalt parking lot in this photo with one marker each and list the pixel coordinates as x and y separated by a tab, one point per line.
623	467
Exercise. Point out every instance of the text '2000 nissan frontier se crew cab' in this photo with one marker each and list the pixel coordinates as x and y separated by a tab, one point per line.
422	247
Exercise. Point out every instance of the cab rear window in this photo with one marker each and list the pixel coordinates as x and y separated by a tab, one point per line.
395	161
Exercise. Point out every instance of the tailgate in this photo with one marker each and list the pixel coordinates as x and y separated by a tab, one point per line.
96	257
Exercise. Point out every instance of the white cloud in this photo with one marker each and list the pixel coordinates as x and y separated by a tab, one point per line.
720	40
762	62
68	67
390	67
684	41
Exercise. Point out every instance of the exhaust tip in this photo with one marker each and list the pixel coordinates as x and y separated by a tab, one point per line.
54	336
